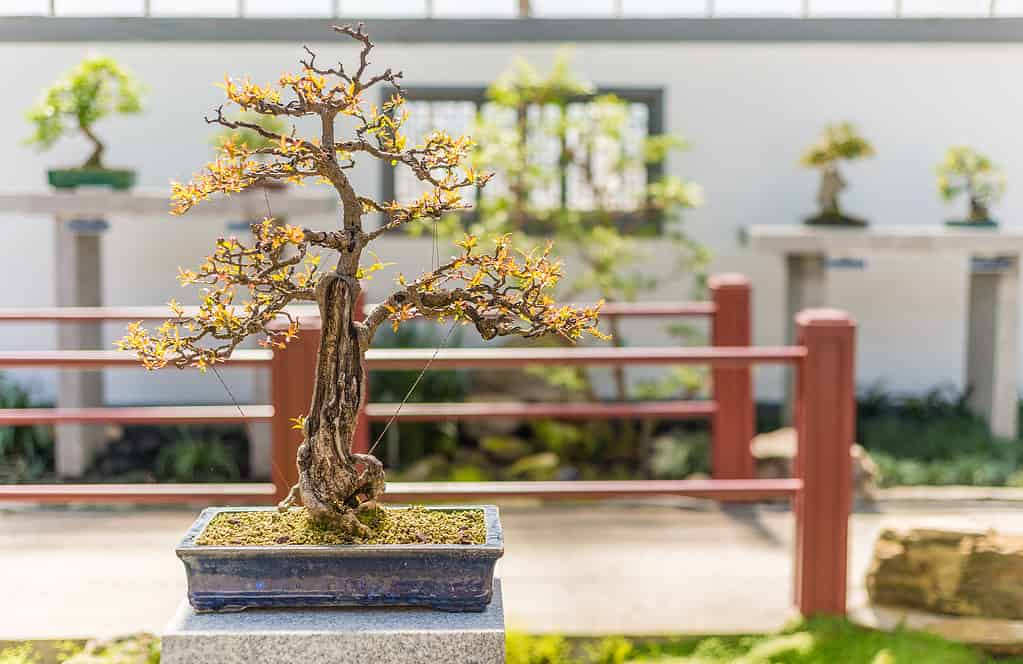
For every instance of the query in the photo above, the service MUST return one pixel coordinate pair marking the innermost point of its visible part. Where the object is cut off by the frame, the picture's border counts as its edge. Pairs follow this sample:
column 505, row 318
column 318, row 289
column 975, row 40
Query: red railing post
column 733, row 425
column 825, row 415
column 292, row 375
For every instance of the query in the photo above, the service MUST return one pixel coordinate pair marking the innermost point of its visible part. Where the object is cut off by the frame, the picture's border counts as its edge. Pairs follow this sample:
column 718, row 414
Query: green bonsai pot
column 967, row 223
column 72, row 178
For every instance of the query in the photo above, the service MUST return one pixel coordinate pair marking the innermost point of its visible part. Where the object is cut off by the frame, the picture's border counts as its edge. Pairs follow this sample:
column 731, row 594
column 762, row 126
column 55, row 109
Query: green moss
column 821, row 640
column 412, row 525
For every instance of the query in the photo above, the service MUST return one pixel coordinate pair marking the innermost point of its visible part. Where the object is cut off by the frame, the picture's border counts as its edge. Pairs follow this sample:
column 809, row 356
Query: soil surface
column 413, row 525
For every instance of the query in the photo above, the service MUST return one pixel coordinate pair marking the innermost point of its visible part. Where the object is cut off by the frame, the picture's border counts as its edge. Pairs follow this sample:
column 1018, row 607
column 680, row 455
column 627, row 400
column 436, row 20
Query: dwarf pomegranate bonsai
column 500, row 291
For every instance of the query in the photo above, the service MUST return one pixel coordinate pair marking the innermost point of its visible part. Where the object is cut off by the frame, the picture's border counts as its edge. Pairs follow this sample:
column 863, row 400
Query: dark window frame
column 652, row 97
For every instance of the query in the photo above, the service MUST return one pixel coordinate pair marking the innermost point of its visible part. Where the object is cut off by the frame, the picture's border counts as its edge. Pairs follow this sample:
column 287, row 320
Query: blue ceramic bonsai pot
column 449, row 577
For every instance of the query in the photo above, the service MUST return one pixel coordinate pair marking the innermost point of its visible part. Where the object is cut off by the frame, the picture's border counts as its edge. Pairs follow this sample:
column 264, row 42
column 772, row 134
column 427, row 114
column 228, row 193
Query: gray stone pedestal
column 336, row 636
column 79, row 284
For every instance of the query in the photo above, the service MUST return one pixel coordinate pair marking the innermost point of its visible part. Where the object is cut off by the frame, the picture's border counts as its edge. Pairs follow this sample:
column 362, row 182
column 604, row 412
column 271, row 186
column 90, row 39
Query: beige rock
column 774, row 452
column 946, row 571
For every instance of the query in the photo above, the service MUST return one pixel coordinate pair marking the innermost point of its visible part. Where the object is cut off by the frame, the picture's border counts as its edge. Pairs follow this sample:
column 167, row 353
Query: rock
column 774, row 451
column 952, row 572
column 429, row 467
column 542, row 466
column 504, row 448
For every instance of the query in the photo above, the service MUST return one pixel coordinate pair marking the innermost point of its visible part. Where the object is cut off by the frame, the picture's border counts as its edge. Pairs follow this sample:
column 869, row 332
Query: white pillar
column 991, row 354
column 79, row 283
column 806, row 287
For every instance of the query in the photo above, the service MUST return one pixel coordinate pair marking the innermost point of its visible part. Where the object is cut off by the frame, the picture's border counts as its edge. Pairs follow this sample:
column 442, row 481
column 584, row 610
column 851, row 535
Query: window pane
column 573, row 7
column 609, row 185
column 489, row 8
column 193, row 7
column 664, row 7
column 852, row 7
column 24, row 7
column 602, row 170
column 290, row 8
column 758, row 7
column 98, row 7
column 454, row 117
column 399, row 8
column 945, row 7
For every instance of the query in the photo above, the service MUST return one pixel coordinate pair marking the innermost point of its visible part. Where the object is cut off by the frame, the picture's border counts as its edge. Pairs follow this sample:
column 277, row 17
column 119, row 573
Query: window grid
column 453, row 109
column 512, row 9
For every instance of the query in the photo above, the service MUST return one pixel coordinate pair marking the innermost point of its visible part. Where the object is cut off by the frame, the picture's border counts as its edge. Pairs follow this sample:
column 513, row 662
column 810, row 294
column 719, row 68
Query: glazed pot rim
column 492, row 548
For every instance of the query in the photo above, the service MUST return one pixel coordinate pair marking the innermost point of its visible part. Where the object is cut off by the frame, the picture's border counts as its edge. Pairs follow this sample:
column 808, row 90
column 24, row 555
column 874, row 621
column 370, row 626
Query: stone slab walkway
column 576, row 569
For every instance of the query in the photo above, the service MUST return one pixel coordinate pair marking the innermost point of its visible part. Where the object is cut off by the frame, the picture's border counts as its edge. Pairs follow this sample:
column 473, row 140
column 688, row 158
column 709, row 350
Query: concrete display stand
column 81, row 217
column 336, row 636
column 992, row 332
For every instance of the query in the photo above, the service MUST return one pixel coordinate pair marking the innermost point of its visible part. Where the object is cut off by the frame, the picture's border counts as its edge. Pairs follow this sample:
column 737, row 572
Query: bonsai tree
column 966, row 171
column 839, row 142
column 94, row 89
column 498, row 290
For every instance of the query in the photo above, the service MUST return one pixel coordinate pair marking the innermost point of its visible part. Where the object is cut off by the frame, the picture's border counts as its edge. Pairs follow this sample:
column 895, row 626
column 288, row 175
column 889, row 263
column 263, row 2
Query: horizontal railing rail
column 404, row 359
column 128, row 314
column 137, row 415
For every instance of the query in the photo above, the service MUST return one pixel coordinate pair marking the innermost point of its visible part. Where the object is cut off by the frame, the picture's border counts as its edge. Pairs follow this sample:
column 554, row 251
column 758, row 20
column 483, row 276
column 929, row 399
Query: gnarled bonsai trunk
column 978, row 210
column 95, row 159
column 831, row 185
column 336, row 484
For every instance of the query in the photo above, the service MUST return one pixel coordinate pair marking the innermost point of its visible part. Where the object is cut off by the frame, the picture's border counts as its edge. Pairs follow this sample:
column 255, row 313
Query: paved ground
column 595, row 568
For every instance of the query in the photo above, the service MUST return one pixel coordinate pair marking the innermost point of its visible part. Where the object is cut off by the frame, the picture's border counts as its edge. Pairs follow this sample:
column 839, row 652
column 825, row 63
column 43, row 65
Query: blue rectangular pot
column 449, row 577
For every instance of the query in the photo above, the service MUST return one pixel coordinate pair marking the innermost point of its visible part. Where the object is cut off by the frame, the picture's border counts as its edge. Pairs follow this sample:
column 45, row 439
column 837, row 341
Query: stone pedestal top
column 799, row 238
column 336, row 636
column 102, row 202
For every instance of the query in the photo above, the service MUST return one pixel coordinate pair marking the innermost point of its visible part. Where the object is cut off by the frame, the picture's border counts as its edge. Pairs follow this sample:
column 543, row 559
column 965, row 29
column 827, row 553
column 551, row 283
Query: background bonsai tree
column 839, row 142
column 966, row 171
column 576, row 166
column 94, row 89
column 499, row 291
column 571, row 166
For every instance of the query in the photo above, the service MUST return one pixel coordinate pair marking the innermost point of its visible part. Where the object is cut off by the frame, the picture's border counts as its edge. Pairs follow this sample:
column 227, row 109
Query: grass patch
column 816, row 641
column 413, row 525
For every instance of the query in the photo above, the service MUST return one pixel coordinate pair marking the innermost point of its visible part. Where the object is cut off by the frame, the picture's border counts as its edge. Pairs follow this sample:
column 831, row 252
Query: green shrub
column 933, row 440
column 524, row 649
column 679, row 454
column 26, row 452
column 194, row 459
column 824, row 640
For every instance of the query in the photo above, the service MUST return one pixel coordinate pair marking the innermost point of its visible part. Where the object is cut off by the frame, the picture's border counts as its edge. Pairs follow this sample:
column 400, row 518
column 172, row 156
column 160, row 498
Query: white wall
column 749, row 110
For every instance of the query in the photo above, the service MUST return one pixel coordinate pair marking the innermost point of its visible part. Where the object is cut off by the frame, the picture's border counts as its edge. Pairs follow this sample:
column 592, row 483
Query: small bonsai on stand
column 96, row 88
column 499, row 291
column 966, row 171
column 839, row 142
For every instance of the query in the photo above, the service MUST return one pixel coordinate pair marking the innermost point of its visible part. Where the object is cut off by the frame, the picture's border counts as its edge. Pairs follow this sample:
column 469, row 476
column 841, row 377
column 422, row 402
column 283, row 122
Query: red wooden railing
column 823, row 360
